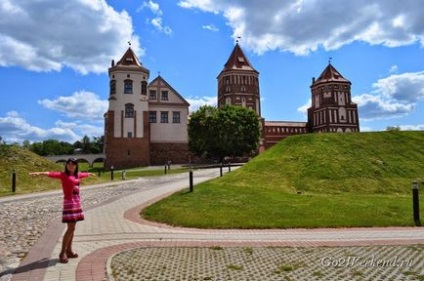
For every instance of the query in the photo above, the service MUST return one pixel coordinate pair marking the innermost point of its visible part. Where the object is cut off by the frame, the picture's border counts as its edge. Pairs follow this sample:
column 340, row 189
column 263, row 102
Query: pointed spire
column 238, row 60
column 330, row 73
column 129, row 58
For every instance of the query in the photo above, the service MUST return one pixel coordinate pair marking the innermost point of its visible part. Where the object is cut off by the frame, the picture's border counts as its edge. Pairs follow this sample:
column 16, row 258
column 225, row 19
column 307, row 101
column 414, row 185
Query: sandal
column 63, row 259
column 72, row 255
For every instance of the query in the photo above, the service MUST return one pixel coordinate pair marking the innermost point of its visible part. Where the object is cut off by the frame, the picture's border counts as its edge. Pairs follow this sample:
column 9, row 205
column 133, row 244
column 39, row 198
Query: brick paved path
column 113, row 238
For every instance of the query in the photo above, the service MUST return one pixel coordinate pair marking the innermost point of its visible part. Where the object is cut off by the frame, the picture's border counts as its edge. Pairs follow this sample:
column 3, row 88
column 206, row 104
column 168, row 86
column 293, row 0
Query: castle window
column 164, row 95
column 228, row 101
column 243, row 89
column 152, row 95
column 227, row 89
column 128, row 87
column 176, row 117
column 152, row 116
column 112, row 87
column 143, row 88
column 129, row 135
column 129, row 110
column 164, row 116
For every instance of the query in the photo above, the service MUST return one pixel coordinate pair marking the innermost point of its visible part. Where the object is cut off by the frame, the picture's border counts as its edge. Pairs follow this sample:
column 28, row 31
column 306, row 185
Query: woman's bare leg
column 67, row 240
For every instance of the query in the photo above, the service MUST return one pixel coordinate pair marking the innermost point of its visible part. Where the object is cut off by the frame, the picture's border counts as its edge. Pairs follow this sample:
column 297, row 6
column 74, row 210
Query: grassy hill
column 24, row 161
column 361, row 163
column 314, row 180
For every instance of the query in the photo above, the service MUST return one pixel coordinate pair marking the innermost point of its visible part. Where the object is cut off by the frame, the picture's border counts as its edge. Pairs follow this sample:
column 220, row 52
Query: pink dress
column 72, row 210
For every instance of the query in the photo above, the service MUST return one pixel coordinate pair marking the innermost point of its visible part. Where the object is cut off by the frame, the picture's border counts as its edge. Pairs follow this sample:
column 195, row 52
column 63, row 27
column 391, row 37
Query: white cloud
column 372, row 107
column 157, row 21
column 393, row 69
column 393, row 96
column 304, row 108
column 197, row 102
column 405, row 87
column 14, row 128
column 211, row 27
column 82, row 105
column 302, row 27
column 412, row 127
column 49, row 35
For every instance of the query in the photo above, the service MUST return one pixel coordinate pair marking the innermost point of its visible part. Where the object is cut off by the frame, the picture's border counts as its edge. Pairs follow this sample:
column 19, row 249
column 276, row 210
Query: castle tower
column 238, row 82
column 127, row 130
column 332, row 108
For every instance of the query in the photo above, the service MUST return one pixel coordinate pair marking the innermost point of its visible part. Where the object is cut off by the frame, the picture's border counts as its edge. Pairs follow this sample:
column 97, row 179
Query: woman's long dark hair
column 73, row 160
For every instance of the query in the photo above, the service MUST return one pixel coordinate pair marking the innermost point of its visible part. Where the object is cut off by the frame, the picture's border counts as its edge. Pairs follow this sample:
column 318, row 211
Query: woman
column 72, row 211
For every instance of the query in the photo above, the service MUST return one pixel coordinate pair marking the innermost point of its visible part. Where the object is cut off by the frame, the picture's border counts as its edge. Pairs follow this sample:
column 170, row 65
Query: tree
column 393, row 129
column 229, row 131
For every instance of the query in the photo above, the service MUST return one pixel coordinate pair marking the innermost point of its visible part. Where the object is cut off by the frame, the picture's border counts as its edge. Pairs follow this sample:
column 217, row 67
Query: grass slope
column 24, row 161
column 314, row 180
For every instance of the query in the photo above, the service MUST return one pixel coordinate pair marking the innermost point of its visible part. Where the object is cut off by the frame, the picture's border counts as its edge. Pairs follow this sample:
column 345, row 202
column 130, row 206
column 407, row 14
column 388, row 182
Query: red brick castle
column 146, row 123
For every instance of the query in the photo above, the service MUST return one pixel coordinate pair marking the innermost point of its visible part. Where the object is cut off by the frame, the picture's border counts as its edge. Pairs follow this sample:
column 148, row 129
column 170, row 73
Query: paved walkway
column 113, row 243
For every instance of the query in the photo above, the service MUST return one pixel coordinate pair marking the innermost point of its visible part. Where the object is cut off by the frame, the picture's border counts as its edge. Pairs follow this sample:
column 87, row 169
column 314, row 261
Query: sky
column 55, row 55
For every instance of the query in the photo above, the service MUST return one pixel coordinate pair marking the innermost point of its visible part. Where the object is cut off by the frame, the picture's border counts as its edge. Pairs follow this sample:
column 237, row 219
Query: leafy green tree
column 86, row 144
column 393, row 128
column 26, row 144
column 97, row 144
column 229, row 131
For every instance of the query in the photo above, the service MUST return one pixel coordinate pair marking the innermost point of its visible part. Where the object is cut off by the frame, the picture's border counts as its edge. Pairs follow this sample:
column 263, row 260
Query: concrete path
column 113, row 236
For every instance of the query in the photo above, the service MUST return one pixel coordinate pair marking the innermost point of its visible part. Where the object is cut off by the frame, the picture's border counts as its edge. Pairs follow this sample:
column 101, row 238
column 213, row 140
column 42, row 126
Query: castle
column 146, row 122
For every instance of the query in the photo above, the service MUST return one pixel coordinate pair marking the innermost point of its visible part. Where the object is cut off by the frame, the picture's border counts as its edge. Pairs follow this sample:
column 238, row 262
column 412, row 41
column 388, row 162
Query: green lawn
column 313, row 180
column 316, row 180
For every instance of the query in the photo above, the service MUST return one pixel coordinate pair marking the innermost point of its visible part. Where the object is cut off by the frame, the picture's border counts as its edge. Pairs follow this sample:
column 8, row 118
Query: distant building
column 332, row 108
column 146, row 123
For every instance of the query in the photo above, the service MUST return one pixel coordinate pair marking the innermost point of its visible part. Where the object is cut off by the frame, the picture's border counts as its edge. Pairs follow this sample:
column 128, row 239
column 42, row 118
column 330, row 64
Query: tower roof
column 330, row 74
column 129, row 58
column 238, row 61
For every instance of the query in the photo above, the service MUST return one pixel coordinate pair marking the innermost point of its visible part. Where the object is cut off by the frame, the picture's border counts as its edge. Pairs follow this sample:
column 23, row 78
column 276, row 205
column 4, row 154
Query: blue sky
column 54, row 57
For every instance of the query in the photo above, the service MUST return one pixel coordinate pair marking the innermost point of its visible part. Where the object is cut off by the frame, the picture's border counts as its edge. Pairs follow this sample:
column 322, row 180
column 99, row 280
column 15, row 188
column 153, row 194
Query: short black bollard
column 220, row 169
column 13, row 181
column 416, row 203
column 191, row 179
column 165, row 168
column 111, row 173
column 99, row 172
column 229, row 166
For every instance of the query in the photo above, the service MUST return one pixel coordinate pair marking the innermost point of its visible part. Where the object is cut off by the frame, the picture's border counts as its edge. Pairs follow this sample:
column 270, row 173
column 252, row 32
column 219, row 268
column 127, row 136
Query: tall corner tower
column 332, row 108
column 238, row 82
column 127, row 130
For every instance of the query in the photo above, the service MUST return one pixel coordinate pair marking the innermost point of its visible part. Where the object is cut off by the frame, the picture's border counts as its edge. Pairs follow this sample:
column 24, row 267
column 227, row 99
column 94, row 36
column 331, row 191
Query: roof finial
column 158, row 73
column 129, row 43
column 238, row 38
column 329, row 60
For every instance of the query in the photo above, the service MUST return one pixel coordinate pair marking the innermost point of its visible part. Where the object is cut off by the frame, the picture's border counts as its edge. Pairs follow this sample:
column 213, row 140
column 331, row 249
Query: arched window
column 112, row 87
column 128, row 86
column 144, row 88
column 129, row 110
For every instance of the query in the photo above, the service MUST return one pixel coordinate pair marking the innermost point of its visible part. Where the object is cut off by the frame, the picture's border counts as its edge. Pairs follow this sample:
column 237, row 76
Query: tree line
column 213, row 133
column 52, row 147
